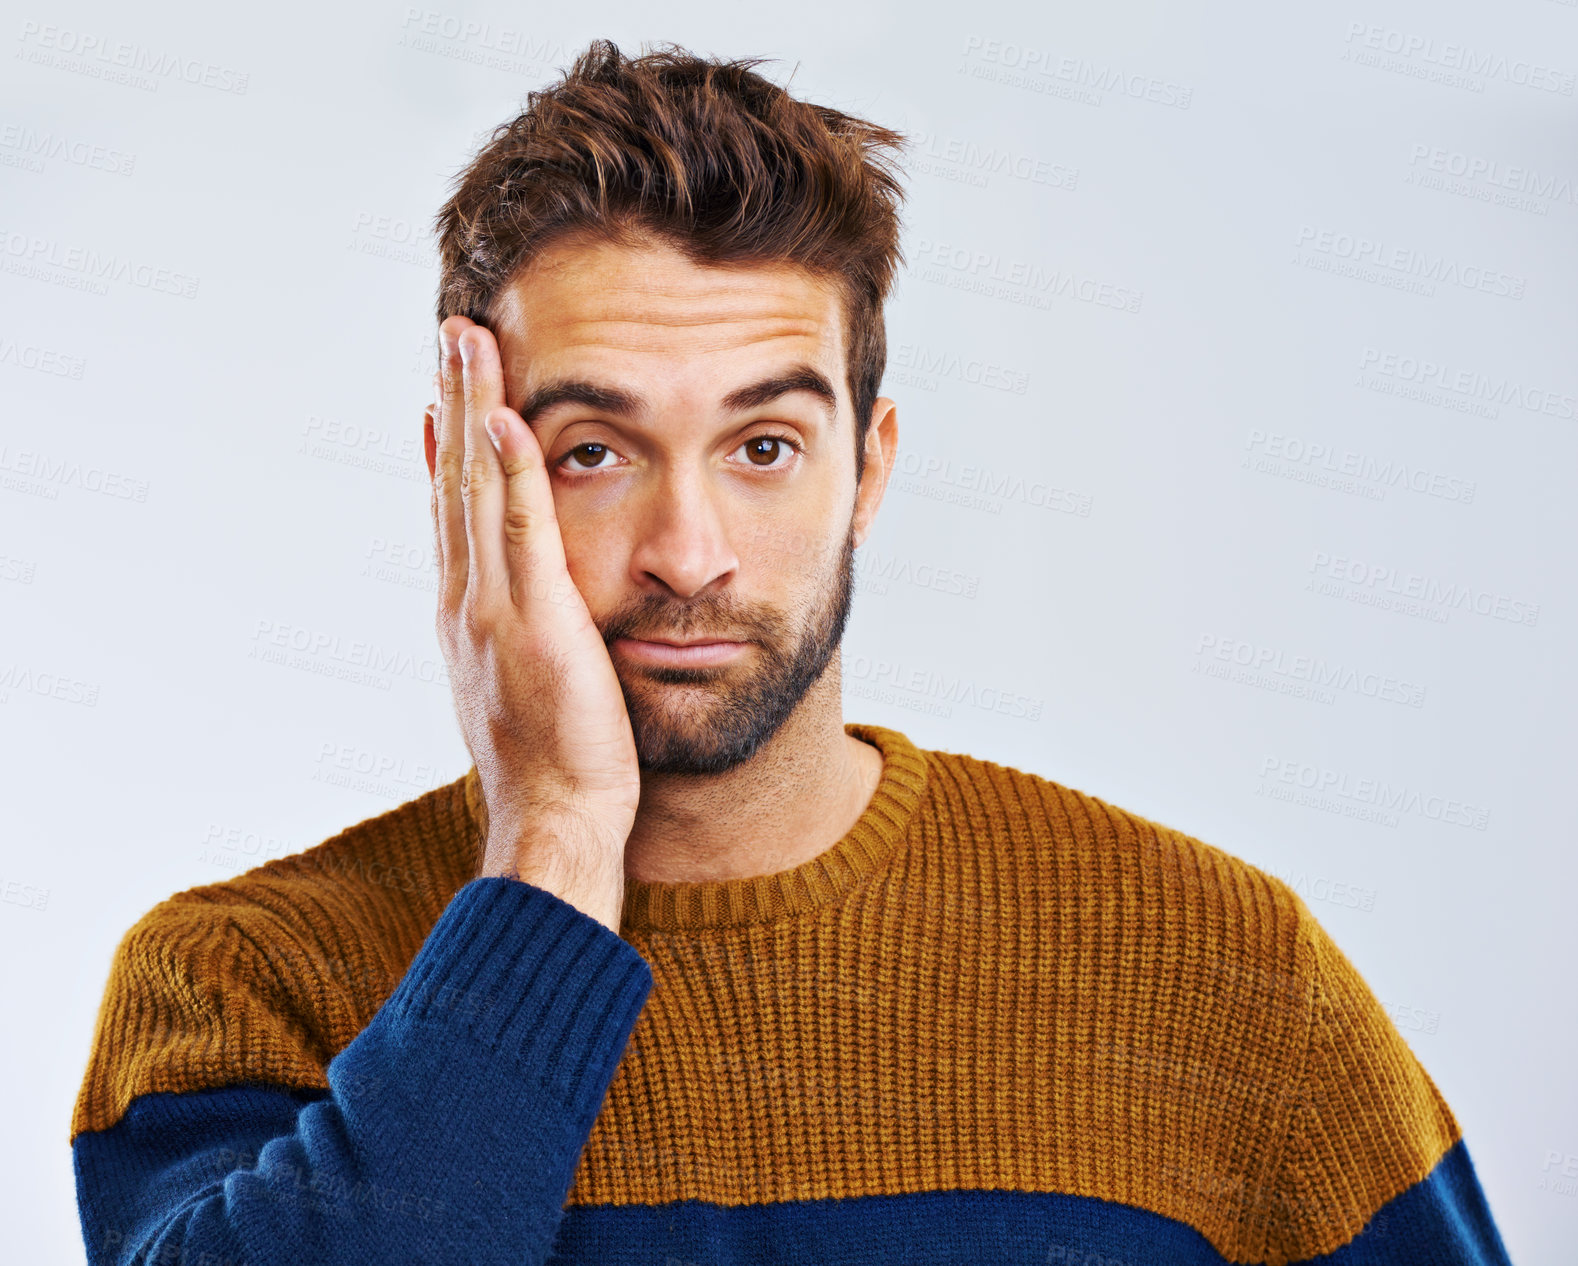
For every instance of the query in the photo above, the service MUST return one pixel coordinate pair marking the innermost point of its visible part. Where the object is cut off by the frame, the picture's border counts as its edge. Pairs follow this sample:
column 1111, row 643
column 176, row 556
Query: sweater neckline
column 822, row 880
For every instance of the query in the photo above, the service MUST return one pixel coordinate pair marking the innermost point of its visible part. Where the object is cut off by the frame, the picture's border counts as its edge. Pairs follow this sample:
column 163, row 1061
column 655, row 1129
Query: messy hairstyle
column 703, row 154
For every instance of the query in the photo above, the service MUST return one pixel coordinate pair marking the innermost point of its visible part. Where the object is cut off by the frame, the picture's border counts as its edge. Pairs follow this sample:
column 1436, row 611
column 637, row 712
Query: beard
column 696, row 720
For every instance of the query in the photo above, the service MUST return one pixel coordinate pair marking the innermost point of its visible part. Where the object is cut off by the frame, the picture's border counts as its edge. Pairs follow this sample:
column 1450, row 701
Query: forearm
column 451, row 1131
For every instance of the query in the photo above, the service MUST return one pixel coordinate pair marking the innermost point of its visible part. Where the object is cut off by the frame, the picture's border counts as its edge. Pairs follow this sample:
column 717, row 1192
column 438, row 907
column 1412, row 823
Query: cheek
column 596, row 549
column 798, row 526
column 792, row 558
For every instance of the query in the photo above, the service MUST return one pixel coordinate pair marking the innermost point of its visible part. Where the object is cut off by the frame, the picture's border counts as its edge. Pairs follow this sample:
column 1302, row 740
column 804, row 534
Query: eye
column 590, row 456
column 767, row 451
column 763, row 451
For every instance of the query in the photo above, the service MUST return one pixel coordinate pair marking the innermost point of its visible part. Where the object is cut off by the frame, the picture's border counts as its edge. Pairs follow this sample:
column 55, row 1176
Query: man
column 685, row 968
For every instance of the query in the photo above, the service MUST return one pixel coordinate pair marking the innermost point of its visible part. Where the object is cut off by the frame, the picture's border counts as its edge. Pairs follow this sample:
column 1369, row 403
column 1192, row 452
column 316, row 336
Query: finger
column 533, row 547
column 430, row 445
column 483, row 486
column 449, row 466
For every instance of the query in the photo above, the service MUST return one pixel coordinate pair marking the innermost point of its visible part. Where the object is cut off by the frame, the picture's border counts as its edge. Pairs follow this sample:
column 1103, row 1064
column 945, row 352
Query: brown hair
column 703, row 154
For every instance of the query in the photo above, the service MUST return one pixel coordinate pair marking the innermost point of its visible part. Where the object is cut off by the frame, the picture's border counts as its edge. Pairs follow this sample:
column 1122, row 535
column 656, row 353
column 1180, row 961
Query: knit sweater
column 1000, row 1020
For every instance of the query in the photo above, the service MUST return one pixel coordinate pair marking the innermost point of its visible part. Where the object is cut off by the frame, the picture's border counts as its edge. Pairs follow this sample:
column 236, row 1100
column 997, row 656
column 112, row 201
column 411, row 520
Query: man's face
column 699, row 438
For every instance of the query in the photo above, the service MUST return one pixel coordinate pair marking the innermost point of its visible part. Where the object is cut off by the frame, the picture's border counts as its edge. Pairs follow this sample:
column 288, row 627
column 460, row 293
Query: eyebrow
column 625, row 404
column 800, row 377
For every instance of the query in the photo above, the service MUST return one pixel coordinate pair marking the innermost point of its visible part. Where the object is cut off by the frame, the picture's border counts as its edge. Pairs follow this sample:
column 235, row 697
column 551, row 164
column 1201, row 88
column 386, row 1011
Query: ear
column 882, row 442
column 430, row 443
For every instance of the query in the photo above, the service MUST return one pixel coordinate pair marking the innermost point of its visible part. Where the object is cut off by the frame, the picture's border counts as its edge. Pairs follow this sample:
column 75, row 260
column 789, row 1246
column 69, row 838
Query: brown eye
column 763, row 450
column 589, row 455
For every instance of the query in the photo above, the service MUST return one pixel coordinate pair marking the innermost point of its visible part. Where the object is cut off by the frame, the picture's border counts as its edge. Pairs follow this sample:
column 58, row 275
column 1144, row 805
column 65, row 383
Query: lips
column 695, row 652
column 700, row 641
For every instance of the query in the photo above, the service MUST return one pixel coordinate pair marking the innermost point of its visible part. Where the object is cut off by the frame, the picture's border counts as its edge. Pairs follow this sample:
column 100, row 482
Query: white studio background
column 1237, row 392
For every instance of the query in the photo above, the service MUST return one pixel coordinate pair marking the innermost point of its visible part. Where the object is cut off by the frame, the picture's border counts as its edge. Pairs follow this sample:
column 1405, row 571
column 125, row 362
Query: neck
column 797, row 797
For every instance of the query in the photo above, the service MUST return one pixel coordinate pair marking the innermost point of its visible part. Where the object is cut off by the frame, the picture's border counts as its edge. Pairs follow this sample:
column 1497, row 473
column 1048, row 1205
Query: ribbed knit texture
column 993, row 982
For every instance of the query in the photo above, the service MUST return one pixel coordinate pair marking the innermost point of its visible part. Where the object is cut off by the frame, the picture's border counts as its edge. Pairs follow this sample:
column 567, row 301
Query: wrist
column 586, row 873
column 604, row 903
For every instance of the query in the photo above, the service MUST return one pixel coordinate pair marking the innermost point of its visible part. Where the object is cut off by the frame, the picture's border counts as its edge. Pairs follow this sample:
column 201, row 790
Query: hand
column 536, row 694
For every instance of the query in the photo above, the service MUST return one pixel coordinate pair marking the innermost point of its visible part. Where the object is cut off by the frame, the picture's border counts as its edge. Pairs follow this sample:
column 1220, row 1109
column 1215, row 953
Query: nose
column 682, row 545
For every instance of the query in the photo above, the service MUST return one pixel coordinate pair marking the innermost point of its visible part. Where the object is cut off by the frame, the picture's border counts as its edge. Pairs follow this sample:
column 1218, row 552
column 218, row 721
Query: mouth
column 679, row 651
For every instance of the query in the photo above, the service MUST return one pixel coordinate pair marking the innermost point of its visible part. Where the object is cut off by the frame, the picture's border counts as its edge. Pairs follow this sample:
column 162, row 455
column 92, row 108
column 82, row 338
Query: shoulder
column 1203, row 980
column 375, row 886
column 1087, row 842
column 1168, row 943
column 394, row 866
column 265, row 976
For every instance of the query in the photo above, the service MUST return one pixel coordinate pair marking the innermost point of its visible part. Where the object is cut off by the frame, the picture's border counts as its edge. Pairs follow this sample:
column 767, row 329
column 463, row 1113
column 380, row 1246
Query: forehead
column 599, row 305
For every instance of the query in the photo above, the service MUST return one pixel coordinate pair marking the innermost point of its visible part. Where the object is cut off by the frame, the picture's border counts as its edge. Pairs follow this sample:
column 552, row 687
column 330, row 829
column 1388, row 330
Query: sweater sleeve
column 1374, row 1168
column 450, row 1131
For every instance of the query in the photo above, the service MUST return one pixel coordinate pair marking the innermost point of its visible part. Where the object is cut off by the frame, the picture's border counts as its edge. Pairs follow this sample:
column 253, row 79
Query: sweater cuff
column 531, row 978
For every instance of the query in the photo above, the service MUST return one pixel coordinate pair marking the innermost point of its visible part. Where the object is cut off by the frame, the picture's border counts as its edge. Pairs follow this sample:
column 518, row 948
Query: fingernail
column 465, row 352
column 495, row 429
